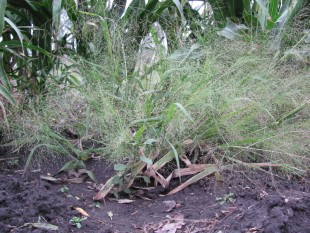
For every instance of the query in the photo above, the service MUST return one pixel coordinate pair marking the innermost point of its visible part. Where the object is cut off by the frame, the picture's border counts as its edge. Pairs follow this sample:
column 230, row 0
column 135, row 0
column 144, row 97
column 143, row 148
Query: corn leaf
column 3, row 77
column 6, row 94
column 18, row 44
column 3, row 4
column 56, row 12
column 18, row 32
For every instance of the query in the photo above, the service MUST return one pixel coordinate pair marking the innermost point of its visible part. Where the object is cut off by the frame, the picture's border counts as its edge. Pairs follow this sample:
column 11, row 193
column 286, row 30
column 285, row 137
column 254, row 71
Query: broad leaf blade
column 232, row 30
column 273, row 9
column 6, row 94
column 148, row 161
column 18, row 32
column 56, row 12
column 3, row 77
column 17, row 44
column 180, row 8
column 3, row 4
column 262, row 13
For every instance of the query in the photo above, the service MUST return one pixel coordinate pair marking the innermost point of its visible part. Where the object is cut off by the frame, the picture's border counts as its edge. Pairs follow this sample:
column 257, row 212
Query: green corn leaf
column 3, row 4
column 4, row 115
column 56, row 12
column 180, row 8
column 18, row 44
column 6, row 94
column 273, row 9
column 232, row 30
column 34, row 5
column 262, row 13
column 247, row 6
column 18, row 32
column 3, row 77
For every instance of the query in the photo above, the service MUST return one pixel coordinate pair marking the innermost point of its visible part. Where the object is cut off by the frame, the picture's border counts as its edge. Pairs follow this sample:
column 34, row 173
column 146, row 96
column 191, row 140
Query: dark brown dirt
column 261, row 203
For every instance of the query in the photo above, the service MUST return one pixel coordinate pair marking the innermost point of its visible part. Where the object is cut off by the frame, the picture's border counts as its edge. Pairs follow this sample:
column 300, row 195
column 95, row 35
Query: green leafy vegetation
column 219, row 92
column 77, row 221
column 226, row 198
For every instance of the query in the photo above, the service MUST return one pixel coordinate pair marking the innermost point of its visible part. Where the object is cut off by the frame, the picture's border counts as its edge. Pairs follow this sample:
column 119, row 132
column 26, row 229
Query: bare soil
column 258, row 202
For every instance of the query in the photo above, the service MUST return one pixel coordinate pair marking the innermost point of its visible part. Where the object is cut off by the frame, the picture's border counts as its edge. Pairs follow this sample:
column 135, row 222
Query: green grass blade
column 186, row 113
column 176, row 155
column 293, row 112
column 30, row 156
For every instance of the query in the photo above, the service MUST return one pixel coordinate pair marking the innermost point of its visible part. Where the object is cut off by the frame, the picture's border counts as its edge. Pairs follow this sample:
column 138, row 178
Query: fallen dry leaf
column 175, row 223
column 170, row 205
column 188, row 142
column 42, row 225
column 207, row 171
column 125, row 201
column 110, row 214
column 81, row 211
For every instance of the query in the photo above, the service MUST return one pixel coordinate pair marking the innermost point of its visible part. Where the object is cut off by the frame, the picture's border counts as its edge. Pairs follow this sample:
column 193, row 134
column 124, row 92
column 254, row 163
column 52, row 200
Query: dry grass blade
column 75, row 180
column 107, row 187
column 191, row 170
column 150, row 172
column 208, row 171
column 135, row 171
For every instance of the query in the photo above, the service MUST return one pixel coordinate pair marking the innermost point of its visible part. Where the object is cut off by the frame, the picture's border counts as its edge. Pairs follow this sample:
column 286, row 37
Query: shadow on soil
column 244, row 201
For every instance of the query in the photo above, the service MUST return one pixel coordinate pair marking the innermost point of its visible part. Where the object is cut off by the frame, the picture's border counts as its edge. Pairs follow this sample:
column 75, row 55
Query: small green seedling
column 12, row 162
column 64, row 189
column 226, row 198
column 97, row 204
column 77, row 221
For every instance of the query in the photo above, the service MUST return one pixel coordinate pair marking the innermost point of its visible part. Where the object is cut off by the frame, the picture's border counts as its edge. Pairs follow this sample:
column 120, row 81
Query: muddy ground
column 243, row 201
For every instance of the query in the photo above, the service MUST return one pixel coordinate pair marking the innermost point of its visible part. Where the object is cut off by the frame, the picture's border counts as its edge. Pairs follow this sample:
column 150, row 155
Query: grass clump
column 232, row 96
